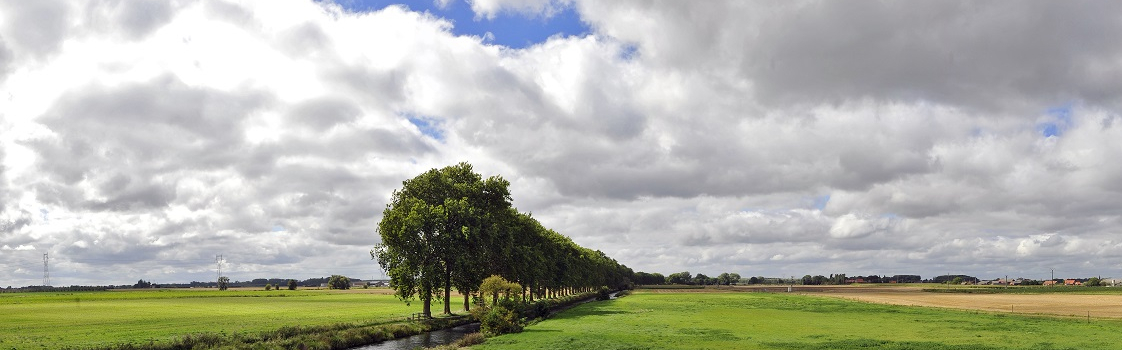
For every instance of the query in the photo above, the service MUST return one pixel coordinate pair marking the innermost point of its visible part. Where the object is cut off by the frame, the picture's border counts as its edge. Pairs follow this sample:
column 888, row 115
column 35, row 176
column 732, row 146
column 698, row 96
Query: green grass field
column 81, row 319
column 647, row 320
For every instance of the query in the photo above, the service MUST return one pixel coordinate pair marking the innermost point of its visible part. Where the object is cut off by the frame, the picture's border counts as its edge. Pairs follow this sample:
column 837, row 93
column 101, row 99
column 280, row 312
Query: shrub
column 269, row 286
column 499, row 320
column 603, row 294
column 291, row 284
column 471, row 339
column 538, row 309
column 495, row 285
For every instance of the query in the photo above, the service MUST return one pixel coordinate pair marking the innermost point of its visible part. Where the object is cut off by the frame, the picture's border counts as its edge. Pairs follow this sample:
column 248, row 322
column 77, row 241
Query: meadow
column 88, row 319
column 742, row 320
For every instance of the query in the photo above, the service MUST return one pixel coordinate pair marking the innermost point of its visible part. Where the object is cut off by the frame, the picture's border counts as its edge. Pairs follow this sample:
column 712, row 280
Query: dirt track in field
column 1059, row 304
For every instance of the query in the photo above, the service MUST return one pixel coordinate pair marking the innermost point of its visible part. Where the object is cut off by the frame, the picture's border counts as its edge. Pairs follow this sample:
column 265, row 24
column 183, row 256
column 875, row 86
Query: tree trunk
column 467, row 298
column 427, row 310
column 448, row 292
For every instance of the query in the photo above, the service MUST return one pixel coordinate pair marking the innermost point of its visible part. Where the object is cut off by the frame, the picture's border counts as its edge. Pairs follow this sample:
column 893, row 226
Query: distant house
column 1071, row 282
column 1049, row 283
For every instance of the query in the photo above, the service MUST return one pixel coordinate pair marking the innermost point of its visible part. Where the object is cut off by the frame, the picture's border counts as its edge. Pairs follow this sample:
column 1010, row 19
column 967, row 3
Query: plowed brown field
column 1060, row 304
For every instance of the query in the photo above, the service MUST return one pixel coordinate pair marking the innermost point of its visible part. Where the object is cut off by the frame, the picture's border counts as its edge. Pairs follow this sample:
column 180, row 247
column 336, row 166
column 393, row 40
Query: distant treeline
column 53, row 289
column 685, row 278
column 259, row 282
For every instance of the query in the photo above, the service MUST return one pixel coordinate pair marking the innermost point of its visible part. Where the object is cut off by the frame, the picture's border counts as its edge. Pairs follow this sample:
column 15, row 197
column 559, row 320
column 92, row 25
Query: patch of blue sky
column 278, row 228
column 628, row 52
column 510, row 29
column 821, row 201
column 1060, row 121
column 428, row 126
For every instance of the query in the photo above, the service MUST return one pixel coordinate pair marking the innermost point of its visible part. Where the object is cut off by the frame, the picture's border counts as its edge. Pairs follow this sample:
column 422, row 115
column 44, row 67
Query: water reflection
column 425, row 340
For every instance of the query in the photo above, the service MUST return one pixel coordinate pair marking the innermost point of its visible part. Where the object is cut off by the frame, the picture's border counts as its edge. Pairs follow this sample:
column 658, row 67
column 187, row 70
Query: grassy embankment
column 647, row 320
column 99, row 319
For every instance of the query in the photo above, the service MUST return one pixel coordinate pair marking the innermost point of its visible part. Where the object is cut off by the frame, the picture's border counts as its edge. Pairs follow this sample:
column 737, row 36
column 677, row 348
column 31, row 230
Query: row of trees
column 685, row 277
column 733, row 278
column 291, row 285
column 450, row 229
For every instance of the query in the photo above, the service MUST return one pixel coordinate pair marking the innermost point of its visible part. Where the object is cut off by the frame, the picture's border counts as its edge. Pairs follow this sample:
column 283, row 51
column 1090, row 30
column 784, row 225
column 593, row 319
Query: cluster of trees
column 450, row 229
column 701, row 279
column 832, row 279
column 338, row 282
column 143, row 284
column 644, row 278
column 954, row 279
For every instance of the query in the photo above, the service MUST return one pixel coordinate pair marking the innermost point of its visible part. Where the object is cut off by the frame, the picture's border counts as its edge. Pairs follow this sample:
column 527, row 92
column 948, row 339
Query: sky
column 141, row 139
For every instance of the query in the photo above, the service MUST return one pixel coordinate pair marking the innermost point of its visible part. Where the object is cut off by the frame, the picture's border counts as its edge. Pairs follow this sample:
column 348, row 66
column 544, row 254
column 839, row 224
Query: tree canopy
column 450, row 228
column 338, row 282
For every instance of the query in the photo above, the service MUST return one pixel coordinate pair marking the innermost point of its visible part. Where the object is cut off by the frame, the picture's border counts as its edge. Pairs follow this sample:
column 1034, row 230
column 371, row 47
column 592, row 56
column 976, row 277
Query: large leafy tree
column 432, row 232
column 407, row 252
column 450, row 228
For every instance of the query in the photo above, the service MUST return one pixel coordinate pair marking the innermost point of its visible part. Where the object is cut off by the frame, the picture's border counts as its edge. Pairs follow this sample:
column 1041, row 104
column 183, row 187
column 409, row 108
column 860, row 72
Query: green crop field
column 81, row 319
column 648, row 320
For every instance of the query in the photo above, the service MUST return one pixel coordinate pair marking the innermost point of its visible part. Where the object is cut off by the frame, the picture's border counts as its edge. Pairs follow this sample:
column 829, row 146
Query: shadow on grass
column 579, row 313
column 536, row 330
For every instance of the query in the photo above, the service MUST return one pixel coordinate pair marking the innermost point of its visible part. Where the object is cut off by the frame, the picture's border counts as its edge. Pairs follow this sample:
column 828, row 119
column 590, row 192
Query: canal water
column 425, row 340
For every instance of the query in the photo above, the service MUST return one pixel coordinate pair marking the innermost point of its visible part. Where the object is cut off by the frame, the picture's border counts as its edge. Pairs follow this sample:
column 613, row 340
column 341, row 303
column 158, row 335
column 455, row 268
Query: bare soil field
column 1071, row 305
column 1057, row 304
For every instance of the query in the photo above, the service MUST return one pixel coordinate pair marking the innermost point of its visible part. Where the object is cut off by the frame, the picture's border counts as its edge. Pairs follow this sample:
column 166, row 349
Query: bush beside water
column 330, row 337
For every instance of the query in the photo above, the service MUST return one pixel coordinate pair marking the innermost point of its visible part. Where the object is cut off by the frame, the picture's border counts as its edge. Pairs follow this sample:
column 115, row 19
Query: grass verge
column 329, row 337
column 105, row 319
column 649, row 320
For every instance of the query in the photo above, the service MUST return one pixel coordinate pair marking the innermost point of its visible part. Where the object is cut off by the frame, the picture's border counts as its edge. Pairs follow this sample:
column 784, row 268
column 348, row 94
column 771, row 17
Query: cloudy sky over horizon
column 140, row 138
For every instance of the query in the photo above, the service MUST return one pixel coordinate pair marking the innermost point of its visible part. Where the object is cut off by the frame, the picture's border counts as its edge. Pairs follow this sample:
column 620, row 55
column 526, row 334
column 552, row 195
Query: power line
column 46, row 271
column 218, row 262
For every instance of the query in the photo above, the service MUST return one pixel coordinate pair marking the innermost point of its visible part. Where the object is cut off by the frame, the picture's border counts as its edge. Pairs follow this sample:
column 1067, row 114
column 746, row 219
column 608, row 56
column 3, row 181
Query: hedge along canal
column 451, row 335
